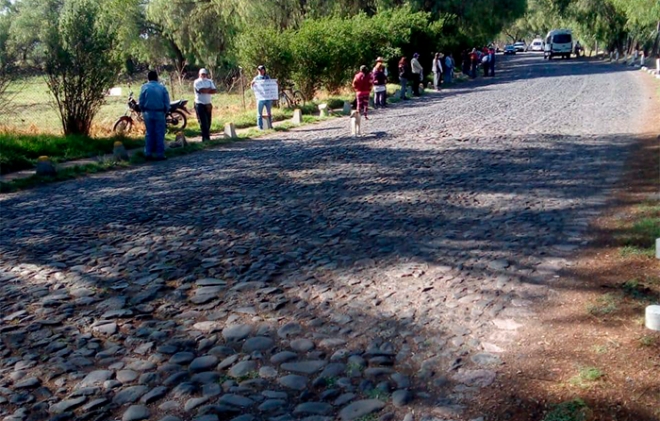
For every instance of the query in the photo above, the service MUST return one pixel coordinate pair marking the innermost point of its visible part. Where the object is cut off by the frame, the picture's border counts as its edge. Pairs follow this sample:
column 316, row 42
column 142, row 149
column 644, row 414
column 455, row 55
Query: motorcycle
column 175, row 119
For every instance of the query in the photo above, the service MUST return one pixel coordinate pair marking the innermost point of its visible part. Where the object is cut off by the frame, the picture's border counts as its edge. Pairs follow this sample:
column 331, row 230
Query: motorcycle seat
column 177, row 103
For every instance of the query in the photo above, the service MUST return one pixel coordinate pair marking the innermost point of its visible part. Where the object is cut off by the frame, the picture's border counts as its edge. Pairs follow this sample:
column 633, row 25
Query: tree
column 79, row 64
column 6, row 56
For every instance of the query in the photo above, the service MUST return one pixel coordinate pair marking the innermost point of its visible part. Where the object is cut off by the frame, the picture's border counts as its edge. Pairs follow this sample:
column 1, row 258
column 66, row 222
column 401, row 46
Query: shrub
column 80, row 65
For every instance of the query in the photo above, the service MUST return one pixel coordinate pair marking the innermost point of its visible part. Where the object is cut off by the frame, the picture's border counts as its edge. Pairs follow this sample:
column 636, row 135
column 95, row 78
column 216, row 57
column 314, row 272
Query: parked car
column 520, row 46
column 509, row 49
column 536, row 45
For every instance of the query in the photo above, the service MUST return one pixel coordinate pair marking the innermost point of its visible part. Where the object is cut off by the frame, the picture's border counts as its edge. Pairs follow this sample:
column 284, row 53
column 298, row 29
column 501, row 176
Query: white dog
column 355, row 124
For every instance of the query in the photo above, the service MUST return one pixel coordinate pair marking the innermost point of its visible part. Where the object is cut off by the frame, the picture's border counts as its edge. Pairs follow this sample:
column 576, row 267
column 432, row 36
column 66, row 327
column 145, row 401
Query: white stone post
column 617, row 56
column 347, row 108
column 641, row 60
column 230, row 130
column 657, row 248
column 297, row 116
column 323, row 110
column 657, row 66
column 653, row 317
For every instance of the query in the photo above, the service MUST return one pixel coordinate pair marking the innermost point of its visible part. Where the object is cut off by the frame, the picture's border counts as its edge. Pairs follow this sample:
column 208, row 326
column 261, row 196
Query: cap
column 261, row 67
column 203, row 72
column 415, row 55
column 363, row 68
column 379, row 60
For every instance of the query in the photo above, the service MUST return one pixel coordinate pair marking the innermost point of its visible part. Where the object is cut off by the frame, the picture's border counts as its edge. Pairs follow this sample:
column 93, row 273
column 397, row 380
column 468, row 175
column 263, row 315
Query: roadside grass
column 574, row 410
column 586, row 377
column 19, row 152
column 640, row 231
column 603, row 305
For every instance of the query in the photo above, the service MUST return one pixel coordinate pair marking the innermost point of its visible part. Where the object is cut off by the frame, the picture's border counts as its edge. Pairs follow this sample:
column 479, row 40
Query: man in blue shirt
column 154, row 104
column 262, row 103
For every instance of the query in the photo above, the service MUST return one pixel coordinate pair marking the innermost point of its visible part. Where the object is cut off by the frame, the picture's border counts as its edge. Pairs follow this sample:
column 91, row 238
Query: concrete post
column 230, row 130
column 653, row 317
column 297, row 116
column 641, row 59
column 657, row 66
column 267, row 123
column 119, row 152
column 657, row 248
column 45, row 167
column 617, row 56
column 323, row 110
column 347, row 108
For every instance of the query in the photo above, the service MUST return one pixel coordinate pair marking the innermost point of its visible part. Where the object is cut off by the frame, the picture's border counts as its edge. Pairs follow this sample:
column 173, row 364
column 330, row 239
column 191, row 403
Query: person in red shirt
column 362, row 83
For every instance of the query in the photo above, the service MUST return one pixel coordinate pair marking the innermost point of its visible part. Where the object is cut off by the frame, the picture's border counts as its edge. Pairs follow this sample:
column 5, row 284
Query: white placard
column 266, row 89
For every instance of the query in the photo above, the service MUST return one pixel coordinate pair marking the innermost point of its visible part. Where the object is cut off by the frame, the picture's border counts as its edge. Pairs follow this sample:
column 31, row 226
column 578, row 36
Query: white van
column 558, row 42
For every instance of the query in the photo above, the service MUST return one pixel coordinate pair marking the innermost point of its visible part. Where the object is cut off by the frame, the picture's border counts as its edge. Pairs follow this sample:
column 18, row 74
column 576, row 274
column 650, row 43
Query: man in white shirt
column 418, row 74
column 204, row 88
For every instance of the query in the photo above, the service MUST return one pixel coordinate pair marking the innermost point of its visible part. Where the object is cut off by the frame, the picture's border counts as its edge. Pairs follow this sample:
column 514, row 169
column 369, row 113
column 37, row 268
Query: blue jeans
column 260, row 110
column 155, row 137
column 404, row 87
column 449, row 75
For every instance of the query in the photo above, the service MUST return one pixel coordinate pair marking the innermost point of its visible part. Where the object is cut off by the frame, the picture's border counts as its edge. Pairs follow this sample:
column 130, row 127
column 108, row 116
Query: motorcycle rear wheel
column 176, row 121
column 123, row 125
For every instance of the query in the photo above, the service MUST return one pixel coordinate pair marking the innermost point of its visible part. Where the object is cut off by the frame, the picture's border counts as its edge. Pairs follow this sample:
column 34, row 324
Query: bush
column 80, row 65
column 327, row 52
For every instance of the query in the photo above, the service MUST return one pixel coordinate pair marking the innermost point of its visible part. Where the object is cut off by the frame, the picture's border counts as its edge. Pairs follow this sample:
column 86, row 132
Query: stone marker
column 657, row 248
column 297, row 116
column 323, row 110
column 347, row 108
column 119, row 152
column 267, row 124
column 653, row 317
column 45, row 167
column 230, row 130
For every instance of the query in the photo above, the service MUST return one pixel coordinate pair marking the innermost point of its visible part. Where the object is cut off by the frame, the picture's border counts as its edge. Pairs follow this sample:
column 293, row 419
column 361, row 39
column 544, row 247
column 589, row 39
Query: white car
column 519, row 46
column 536, row 45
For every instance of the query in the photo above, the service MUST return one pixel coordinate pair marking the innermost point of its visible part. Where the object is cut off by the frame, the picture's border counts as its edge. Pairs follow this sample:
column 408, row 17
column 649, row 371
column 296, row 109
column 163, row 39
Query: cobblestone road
column 311, row 275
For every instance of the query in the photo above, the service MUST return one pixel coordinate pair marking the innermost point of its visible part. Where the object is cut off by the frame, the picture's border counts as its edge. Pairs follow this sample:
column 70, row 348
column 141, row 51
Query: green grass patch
column 575, row 410
column 635, row 251
column 586, row 377
column 20, row 151
column 647, row 341
column 603, row 305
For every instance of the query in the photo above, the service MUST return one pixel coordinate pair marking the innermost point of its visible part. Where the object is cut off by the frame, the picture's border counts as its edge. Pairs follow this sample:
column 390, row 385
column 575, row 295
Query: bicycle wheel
column 283, row 102
column 298, row 99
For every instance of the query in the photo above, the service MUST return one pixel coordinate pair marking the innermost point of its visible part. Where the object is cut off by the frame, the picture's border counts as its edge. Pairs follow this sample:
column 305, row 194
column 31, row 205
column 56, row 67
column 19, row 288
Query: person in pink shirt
column 362, row 83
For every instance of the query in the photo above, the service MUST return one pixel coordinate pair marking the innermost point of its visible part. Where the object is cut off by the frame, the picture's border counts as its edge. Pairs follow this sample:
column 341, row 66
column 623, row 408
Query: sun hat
column 379, row 60
column 261, row 67
column 203, row 71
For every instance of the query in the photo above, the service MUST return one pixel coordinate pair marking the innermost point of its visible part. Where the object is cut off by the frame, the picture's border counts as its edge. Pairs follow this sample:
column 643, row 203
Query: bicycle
column 289, row 98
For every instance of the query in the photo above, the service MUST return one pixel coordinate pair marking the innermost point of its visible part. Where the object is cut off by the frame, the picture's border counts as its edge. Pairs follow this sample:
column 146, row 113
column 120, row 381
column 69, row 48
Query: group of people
column 475, row 58
column 409, row 74
column 154, row 103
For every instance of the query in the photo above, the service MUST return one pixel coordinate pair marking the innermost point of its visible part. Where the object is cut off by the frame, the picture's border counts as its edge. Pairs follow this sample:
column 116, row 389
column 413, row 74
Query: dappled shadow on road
column 433, row 249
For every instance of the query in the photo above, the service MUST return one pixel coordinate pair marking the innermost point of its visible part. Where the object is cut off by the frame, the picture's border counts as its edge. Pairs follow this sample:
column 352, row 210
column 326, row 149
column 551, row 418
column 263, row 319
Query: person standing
column 380, row 86
column 449, row 66
column 204, row 88
column 474, row 61
column 436, row 68
column 362, row 83
column 155, row 104
column 403, row 76
column 417, row 73
column 264, row 103
column 491, row 61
